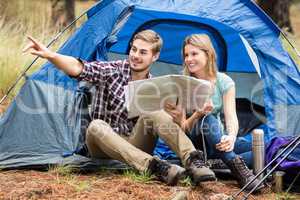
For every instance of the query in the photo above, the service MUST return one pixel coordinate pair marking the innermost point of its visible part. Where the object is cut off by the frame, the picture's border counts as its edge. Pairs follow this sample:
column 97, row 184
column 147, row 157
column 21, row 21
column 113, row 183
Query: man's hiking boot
column 166, row 172
column 198, row 169
column 242, row 173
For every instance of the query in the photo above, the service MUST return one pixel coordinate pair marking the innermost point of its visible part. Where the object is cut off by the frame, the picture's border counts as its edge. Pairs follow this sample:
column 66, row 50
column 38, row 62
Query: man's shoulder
column 121, row 64
column 117, row 63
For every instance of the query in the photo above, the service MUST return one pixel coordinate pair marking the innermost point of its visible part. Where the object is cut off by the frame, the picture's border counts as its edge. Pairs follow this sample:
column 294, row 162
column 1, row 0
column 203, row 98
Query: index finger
column 28, row 46
column 33, row 40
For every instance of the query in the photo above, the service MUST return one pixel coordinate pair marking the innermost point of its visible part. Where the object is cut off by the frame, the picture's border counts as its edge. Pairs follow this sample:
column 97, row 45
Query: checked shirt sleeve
column 98, row 71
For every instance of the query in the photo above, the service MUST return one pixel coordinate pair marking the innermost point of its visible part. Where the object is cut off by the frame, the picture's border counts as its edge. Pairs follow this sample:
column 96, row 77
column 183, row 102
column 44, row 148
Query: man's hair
column 151, row 37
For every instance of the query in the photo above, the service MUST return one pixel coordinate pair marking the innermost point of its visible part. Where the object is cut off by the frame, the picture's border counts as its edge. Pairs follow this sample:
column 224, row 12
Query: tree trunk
column 279, row 11
column 62, row 12
column 3, row 6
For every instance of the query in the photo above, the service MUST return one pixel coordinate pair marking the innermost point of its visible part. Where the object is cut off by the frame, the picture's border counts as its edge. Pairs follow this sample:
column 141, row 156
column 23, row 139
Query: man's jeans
column 212, row 131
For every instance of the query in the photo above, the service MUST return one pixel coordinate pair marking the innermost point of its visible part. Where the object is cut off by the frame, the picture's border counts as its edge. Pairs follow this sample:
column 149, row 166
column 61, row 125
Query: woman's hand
column 226, row 144
column 206, row 109
column 37, row 48
column 175, row 111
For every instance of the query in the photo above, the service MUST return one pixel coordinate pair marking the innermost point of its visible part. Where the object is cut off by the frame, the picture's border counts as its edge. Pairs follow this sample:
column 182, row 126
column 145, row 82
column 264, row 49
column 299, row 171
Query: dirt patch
column 105, row 185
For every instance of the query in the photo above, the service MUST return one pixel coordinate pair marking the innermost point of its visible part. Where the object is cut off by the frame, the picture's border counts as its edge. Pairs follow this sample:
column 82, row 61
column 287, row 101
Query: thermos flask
column 258, row 149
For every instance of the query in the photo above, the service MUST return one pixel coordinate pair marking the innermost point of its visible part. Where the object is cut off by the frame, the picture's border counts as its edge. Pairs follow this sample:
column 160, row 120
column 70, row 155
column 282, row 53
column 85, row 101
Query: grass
column 13, row 38
column 187, row 182
column 144, row 177
column 18, row 21
column 62, row 170
column 292, row 52
column 285, row 196
column 68, row 175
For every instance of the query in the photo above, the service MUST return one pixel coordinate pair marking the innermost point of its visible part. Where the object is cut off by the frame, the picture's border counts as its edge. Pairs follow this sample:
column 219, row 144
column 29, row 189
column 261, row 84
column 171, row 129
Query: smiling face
column 199, row 57
column 195, row 59
column 141, row 56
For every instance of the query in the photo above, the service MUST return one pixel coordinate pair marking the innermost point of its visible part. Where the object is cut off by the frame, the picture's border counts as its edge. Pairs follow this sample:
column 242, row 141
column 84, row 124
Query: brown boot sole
column 204, row 179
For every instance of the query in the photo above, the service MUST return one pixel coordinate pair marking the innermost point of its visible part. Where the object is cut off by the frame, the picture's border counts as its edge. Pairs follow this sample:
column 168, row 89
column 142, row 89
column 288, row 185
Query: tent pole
column 48, row 45
column 294, row 142
column 288, row 40
column 281, row 160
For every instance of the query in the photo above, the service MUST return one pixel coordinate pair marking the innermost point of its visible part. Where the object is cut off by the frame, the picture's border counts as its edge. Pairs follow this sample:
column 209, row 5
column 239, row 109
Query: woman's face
column 195, row 59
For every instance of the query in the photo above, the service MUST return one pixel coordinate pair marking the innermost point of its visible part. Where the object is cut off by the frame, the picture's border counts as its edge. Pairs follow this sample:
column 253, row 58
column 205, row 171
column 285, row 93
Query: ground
column 106, row 185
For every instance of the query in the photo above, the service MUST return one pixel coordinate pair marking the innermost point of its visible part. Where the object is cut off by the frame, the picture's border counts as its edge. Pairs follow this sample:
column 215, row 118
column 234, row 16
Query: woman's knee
column 209, row 124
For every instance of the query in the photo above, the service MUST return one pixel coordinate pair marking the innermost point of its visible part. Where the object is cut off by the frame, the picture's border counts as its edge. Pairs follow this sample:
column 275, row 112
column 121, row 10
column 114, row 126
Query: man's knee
column 97, row 128
column 160, row 117
column 163, row 122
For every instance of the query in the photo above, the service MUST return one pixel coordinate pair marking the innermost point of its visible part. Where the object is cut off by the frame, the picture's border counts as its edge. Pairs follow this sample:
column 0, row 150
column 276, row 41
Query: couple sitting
column 112, row 134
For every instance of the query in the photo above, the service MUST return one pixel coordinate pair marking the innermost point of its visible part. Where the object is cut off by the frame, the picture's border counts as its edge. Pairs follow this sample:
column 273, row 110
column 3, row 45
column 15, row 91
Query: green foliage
column 67, row 175
column 19, row 19
column 187, row 182
column 81, row 185
column 285, row 196
column 295, row 1
column 144, row 177
column 292, row 52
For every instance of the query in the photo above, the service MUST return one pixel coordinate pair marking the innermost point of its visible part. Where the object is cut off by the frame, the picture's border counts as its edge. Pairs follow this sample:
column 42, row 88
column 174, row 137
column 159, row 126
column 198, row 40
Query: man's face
column 141, row 55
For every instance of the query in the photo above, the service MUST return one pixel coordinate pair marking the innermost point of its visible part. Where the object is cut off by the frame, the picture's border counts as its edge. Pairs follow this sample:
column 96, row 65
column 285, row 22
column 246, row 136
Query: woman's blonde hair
column 203, row 42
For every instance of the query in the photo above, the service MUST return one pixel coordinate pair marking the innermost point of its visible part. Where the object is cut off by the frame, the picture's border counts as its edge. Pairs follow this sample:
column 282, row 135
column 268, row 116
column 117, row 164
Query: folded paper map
column 144, row 96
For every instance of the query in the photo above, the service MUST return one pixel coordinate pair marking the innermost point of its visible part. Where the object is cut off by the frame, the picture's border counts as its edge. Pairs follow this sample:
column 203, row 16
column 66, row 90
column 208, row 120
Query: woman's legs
column 243, row 148
column 212, row 131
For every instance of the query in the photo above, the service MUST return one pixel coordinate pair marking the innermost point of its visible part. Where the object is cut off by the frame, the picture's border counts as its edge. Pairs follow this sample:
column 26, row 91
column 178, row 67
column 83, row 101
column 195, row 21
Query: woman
column 222, row 142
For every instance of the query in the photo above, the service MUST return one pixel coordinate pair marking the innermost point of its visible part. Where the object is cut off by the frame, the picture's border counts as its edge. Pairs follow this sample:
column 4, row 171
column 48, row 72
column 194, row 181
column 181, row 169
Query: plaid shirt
column 109, row 79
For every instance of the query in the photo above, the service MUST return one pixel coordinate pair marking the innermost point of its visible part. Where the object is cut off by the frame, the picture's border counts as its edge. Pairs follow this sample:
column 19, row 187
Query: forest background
column 43, row 19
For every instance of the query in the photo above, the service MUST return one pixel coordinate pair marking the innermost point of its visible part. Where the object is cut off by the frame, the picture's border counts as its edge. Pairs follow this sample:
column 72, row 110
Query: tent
column 45, row 122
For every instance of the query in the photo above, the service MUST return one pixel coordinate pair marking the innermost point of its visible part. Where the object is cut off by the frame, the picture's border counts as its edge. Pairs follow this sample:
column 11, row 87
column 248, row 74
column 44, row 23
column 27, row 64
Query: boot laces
column 197, row 161
column 243, row 168
column 162, row 168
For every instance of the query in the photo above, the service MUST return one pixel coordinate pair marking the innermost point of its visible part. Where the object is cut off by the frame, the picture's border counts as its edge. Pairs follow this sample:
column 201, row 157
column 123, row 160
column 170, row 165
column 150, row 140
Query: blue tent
column 44, row 124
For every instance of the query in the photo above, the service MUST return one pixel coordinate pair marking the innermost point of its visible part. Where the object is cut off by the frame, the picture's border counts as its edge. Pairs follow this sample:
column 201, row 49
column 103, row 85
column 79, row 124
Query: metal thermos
column 258, row 149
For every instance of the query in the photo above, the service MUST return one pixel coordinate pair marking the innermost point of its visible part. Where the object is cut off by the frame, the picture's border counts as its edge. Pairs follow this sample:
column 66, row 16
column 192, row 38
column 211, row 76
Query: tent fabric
column 32, row 132
column 45, row 134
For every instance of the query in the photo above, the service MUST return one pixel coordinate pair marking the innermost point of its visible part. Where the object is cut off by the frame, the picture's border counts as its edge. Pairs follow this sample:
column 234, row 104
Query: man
column 112, row 134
